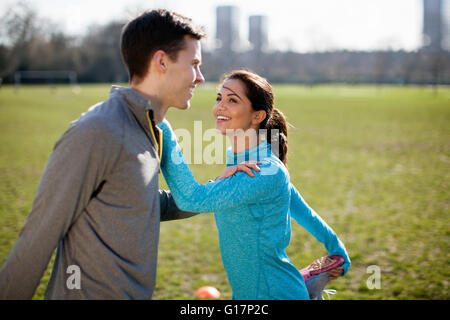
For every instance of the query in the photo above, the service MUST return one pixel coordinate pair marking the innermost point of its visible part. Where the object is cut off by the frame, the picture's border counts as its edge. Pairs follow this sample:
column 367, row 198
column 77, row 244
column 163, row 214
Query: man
column 98, row 200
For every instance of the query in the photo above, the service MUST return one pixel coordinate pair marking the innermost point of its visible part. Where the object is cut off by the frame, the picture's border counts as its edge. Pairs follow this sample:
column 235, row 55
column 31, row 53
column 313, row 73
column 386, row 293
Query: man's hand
column 245, row 166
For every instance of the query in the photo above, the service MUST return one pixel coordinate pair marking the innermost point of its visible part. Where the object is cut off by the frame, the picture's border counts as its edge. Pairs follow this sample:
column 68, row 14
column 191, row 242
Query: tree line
column 28, row 42
column 31, row 43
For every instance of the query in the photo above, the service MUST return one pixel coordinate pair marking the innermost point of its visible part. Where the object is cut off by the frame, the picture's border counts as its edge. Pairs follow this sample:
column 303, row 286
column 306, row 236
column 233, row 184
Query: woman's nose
column 219, row 106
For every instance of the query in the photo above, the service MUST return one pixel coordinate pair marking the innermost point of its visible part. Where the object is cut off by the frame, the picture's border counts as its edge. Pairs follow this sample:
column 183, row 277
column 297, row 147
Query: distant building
column 258, row 33
column 446, row 25
column 227, row 28
column 436, row 15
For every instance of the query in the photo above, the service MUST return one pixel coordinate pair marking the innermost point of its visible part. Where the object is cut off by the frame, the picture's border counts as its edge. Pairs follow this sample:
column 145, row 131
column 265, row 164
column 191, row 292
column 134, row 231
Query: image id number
column 246, row 309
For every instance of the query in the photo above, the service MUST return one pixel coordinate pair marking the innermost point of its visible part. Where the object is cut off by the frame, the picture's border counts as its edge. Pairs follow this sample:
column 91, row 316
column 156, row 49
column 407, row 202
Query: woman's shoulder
column 273, row 166
column 273, row 174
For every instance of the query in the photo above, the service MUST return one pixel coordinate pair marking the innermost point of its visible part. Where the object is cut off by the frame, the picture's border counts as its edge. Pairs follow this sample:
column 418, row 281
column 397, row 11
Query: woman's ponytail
column 277, row 134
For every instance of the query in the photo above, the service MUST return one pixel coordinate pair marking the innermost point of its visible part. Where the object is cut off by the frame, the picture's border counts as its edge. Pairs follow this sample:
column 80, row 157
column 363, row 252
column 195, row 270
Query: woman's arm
column 314, row 224
column 217, row 195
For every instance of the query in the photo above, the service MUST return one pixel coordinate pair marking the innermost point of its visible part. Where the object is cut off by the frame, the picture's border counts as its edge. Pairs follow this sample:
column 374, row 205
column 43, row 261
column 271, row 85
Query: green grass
column 373, row 162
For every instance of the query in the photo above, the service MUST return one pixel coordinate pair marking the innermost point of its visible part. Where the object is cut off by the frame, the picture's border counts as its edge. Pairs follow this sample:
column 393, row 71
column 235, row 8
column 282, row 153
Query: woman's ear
column 259, row 116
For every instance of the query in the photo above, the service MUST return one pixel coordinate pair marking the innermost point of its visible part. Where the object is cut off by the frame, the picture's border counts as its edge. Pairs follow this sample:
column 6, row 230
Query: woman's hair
column 260, row 94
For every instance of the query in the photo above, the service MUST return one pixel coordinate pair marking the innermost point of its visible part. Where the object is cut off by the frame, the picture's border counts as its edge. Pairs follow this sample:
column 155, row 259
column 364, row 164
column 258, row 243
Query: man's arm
column 169, row 210
column 75, row 169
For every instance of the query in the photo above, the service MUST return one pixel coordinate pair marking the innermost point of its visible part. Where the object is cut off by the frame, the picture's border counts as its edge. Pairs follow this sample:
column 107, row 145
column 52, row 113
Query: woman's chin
column 226, row 130
column 220, row 130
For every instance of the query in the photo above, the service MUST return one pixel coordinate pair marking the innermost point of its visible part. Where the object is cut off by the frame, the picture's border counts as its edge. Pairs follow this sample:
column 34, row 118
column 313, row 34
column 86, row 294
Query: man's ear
column 259, row 116
column 159, row 61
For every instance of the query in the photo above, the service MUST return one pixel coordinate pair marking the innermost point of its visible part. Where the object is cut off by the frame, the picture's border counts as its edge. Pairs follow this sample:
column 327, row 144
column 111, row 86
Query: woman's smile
column 221, row 118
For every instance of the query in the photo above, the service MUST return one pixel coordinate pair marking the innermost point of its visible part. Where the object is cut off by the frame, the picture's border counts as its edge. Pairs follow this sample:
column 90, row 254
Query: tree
column 100, row 54
column 19, row 27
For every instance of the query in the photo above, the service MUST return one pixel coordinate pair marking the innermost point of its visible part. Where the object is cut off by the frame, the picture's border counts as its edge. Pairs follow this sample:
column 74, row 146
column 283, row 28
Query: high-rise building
column 257, row 32
column 436, row 24
column 446, row 25
column 227, row 28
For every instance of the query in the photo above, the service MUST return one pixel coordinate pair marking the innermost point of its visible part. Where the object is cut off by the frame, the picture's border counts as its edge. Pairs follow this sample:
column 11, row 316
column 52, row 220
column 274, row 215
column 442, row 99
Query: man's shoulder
column 102, row 124
column 104, row 117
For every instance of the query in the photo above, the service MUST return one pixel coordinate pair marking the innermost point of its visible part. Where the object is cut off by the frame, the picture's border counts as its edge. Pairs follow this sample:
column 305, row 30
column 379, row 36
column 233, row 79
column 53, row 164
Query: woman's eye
column 233, row 100
column 218, row 99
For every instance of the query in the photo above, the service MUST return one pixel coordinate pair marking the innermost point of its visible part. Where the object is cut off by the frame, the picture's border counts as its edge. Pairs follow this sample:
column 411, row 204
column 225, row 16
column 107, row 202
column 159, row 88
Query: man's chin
column 184, row 106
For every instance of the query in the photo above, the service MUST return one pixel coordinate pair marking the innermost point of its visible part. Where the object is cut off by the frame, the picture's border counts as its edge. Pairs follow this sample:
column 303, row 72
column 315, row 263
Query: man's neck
column 159, row 110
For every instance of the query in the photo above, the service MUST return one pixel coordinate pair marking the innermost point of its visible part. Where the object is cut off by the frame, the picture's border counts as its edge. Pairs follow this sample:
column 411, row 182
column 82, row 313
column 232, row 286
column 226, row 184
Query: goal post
column 46, row 77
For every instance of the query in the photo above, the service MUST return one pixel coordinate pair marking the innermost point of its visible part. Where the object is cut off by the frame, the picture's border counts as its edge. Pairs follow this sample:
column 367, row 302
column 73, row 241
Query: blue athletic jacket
column 253, row 218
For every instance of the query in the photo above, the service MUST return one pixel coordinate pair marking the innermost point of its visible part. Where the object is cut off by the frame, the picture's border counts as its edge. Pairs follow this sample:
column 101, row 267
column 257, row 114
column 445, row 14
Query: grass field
column 372, row 161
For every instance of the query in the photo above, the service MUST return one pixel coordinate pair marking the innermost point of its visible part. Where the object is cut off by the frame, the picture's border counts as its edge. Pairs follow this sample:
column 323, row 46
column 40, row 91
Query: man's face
column 183, row 75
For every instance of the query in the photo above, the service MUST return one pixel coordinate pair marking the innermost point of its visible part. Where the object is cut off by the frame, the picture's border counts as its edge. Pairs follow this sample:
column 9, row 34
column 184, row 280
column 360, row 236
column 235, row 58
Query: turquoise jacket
column 253, row 218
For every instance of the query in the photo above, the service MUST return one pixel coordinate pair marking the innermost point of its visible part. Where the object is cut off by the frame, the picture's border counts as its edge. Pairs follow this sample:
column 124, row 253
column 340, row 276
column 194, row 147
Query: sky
column 299, row 25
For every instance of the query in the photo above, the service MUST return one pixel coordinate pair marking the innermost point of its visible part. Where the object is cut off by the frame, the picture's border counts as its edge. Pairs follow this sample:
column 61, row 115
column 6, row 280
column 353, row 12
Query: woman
column 252, row 213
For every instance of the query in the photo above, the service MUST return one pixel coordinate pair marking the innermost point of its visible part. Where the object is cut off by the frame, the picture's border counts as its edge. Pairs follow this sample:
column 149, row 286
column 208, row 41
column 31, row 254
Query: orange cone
column 207, row 292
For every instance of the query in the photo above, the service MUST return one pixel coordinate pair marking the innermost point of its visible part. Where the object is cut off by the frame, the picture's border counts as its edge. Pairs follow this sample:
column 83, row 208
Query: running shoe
column 316, row 276
column 321, row 265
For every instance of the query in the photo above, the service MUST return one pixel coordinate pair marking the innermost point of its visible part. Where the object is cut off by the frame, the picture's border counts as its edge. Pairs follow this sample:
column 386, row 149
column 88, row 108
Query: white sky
column 301, row 25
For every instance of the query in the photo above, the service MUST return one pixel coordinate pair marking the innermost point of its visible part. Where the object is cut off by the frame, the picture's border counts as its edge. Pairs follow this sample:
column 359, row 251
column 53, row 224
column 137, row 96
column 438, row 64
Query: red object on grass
column 207, row 292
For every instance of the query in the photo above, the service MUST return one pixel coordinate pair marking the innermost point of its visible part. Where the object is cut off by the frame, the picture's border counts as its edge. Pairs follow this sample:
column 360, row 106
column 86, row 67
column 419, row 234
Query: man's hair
column 155, row 30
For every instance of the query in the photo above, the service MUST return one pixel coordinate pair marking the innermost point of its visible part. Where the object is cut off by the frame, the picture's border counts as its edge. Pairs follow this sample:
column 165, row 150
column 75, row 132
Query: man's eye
column 218, row 99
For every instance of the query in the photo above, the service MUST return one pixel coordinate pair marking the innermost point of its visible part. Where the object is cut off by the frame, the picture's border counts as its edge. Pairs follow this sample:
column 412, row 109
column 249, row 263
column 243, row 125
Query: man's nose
column 199, row 78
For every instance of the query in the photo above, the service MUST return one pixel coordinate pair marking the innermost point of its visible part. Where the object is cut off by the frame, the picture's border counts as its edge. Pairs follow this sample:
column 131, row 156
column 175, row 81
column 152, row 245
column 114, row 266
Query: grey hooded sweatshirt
column 98, row 202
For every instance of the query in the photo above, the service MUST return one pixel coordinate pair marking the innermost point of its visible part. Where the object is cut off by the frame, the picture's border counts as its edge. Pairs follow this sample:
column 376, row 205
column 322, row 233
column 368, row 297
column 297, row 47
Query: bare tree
column 19, row 26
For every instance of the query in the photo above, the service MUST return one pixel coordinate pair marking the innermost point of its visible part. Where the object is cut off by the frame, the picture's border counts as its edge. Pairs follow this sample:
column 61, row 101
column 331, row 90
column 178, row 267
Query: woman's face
column 233, row 109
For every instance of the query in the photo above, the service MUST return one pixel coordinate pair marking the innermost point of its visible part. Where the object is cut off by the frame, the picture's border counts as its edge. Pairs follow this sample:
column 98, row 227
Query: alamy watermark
column 74, row 280
column 208, row 145
column 374, row 281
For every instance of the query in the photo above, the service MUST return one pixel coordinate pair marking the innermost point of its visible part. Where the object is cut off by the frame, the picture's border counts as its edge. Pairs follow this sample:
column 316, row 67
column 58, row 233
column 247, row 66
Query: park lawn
column 372, row 161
